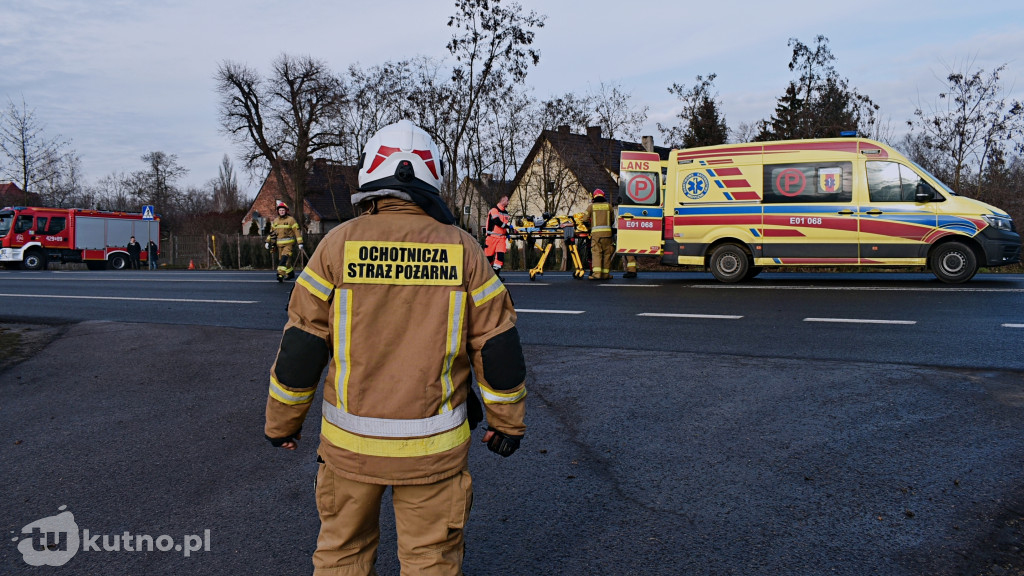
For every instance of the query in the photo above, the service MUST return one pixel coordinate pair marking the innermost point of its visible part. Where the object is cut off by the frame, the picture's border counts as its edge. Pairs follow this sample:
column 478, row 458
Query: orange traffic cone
column 191, row 266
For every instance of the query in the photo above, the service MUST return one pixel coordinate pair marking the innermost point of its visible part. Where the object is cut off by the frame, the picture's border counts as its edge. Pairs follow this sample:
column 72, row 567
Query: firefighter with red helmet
column 599, row 220
column 285, row 234
column 497, row 235
column 404, row 310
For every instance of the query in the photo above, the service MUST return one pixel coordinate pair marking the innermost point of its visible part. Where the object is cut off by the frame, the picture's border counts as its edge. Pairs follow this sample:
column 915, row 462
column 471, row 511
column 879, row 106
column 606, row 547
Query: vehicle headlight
column 999, row 222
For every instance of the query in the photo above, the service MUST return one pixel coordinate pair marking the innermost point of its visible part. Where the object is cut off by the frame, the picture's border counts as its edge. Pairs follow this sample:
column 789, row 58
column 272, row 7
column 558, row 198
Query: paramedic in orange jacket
column 599, row 220
column 497, row 235
column 400, row 305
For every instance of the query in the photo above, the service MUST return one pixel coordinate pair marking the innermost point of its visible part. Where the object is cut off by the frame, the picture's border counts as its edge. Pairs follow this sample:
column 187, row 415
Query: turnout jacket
column 404, row 311
column 599, row 218
column 285, row 230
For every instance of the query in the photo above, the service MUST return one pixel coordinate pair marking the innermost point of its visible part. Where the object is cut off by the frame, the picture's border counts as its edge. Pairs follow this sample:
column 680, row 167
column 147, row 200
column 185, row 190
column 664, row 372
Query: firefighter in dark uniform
column 404, row 310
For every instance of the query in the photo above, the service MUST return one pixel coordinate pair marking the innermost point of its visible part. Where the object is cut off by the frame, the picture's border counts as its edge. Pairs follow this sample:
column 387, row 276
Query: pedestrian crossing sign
column 147, row 212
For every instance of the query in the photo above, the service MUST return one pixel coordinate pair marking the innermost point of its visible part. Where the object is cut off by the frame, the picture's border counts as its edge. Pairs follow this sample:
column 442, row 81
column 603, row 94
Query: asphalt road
column 656, row 444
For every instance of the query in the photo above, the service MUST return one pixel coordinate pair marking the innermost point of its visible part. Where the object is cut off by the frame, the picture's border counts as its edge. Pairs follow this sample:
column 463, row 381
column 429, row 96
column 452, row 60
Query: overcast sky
column 120, row 78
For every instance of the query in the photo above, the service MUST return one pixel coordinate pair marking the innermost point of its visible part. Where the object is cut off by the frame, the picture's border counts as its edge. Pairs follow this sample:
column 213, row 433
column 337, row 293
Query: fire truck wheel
column 729, row 263
column 118, row 261
column 34, row 260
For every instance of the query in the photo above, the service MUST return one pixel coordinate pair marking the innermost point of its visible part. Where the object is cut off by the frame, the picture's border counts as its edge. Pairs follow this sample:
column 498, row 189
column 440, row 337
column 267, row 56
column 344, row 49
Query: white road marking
column 536, row 311
column 1013, row 325
column 859, row 321
column 126, row 298
column 630, row 285
column 854, row 288
column 710, row 316
column 525, row 283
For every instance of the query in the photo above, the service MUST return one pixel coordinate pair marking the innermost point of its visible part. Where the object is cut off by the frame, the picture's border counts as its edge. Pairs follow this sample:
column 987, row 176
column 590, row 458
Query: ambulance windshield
column 6, row 219
column 932, row 176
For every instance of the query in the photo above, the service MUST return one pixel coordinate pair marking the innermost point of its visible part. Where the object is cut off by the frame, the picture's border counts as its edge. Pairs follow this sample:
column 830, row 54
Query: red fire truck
column 33, row 237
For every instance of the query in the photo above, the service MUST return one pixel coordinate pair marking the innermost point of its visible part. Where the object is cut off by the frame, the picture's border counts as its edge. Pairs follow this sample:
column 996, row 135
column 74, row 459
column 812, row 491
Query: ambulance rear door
column 641, row 213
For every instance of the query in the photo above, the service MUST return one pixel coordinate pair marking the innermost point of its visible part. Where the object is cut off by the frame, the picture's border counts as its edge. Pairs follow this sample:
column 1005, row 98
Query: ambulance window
column 24, row 224
column 639, row 188
column 57, row 224
column 891, row 182
column 822, row 182
column 883, row 181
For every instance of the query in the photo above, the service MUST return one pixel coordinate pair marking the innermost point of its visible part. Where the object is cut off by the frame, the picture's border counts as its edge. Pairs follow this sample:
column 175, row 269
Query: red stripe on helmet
column 428, row 159
column 382, row 154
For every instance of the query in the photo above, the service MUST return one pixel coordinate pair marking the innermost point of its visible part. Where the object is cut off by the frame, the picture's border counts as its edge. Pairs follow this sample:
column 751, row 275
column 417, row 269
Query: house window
column 549, row 187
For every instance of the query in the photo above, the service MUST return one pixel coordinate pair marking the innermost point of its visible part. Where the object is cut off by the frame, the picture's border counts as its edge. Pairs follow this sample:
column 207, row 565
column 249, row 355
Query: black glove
column 278, row 442
column 501, row 443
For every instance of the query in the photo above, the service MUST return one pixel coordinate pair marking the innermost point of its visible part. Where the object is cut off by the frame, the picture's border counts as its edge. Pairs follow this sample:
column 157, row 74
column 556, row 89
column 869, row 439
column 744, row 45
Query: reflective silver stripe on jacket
column 394, row 428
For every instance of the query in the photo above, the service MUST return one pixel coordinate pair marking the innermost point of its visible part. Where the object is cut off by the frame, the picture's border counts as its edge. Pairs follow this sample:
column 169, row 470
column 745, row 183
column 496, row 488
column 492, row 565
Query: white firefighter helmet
column 403, row 158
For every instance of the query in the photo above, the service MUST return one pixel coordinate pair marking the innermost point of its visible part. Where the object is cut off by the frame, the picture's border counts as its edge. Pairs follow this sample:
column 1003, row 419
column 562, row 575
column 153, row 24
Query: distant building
column 327, row 201
column 12, row 195
column 563, row 169
column 480, row 195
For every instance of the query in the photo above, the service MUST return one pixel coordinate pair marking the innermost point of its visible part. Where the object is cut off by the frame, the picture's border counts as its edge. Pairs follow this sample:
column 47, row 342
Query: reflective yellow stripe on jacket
column 391, row 437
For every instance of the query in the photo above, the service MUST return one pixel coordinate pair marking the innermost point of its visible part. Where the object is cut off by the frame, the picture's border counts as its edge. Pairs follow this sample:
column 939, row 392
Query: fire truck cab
column 32, row 237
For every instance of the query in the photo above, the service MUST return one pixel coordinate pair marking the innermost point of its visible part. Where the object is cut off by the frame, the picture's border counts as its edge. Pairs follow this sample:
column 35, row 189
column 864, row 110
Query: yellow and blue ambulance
column 738, row 208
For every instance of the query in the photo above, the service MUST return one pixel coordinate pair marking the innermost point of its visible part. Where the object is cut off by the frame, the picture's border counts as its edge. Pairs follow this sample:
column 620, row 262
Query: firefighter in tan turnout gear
column 599, row 219
column 285, row 234
column 404, row 310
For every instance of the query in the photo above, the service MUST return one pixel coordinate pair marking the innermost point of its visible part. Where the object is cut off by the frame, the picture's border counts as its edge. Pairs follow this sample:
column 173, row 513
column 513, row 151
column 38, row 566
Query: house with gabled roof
column 479, row 196
column 12, row 195
column 563, row 169
column 327, row 201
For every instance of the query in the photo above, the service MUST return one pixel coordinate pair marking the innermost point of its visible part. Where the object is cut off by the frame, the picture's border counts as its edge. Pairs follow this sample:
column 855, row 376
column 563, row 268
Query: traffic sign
column 147, row 213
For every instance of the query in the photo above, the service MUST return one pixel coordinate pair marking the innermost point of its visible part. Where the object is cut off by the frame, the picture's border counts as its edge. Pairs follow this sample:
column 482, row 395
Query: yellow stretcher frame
column 559, row 227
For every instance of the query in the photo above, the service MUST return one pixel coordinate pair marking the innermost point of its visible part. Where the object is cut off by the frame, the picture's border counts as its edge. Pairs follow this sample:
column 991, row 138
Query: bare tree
column 570, row 110
column 156, row 184
column 971, row 119
column 226, row 196
column 113, row 192
column 615, row 115
column 32, row 158
column 492, row 47
column 282, row 122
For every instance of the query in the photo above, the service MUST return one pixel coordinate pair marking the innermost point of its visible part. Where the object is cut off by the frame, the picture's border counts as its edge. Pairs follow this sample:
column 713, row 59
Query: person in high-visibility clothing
column 285, row 233
column 404, row 310
column 599, row 220
column 497, row 235
column 628, row 259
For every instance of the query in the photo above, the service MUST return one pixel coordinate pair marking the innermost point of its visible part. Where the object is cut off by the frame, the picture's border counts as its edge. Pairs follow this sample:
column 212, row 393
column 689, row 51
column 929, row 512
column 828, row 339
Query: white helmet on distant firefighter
column 401, row 160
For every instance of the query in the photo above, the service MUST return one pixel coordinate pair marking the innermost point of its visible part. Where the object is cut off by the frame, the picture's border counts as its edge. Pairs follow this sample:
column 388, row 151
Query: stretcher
column 547, row 229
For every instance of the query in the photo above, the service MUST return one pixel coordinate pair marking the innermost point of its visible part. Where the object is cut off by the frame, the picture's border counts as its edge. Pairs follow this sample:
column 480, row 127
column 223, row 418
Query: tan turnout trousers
column 427, row 544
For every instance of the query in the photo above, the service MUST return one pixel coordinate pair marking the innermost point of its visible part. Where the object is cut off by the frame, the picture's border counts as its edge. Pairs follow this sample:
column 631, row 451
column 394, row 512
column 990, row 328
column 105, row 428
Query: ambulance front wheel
column 729, row 263
column 954, row 262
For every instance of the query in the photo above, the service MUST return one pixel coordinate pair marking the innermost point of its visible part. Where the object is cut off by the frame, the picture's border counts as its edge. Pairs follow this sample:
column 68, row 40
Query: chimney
column 648, row 143
column 485, row 179
column 563, row 129
column 594, row 133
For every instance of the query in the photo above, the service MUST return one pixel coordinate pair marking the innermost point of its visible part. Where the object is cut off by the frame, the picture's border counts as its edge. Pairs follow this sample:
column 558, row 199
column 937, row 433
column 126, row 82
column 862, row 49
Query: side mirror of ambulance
column 924, row 192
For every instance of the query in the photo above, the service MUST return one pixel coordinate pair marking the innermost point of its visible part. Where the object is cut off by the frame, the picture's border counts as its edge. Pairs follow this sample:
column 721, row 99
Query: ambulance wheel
column 954, row 262
column 34, row 260
column 729, row 263
column 118, row 262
